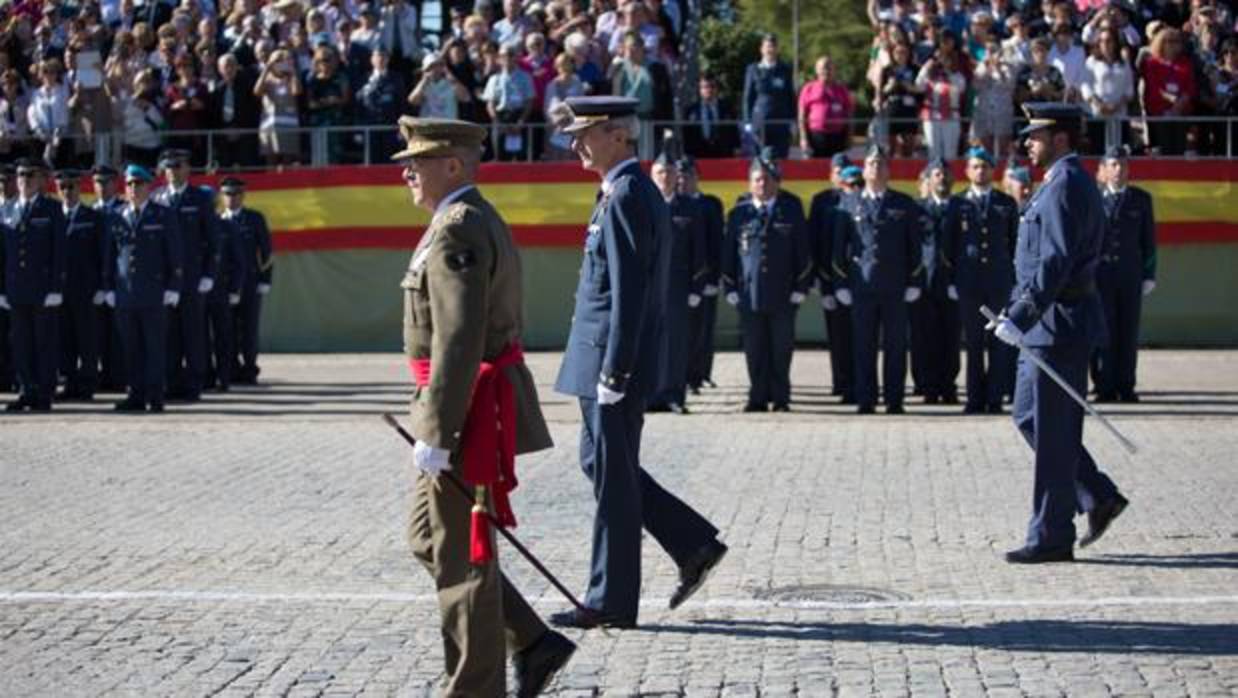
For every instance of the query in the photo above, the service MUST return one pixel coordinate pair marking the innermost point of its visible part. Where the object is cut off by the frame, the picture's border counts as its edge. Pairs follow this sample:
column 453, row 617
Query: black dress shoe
column 693, row 574
column 995, row 408
column 1100, row 518
column 754, row 407
column 970, row 408
column 781, row 407
column 537, row 664
column 41, row 406
column 895, row 409
column 155, row 407
column 129, row 405
column 866, row 409
column 590, row 619
column 931, row 399
column 848, row 399
column 17, row 405
column 1030, row 556
column 677, row 408
column 949, row 399
column 1128, row 397
column 709, row 383
column 1106, row 397
column 657, row 407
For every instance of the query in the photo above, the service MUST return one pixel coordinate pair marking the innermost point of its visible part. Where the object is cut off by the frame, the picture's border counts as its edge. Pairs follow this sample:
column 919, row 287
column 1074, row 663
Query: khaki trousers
column 483, row 615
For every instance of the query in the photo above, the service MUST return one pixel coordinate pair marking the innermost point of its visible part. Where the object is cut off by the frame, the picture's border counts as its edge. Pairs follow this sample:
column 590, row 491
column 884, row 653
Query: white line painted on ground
column 310, row 598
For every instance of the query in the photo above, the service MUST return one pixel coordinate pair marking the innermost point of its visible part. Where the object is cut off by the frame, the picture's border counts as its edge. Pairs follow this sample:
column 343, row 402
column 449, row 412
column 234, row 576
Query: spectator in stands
column 586, row 55
column 1111, row 16
column 630, row 77
column 1039, row 81
column 979, row 35
column 1169, row 91
column 368, row 34
column 1068, row 57
column 1225, row 85
column 143, row 120
column 943, row 85
column 541, row 68
column 186, row 100
column 566, row 84
column 1108, row 88
column 379, row 104
column 438, row 94
column 509, row 101
column 468, row 74
column 14, row 122
column 48, row 115
column 400, row 34
column 1017, row 48
column 825, row 108
column 993, row 115
column 705, row 135
column 327, row 99
column 234, row 106
column 769, row 98
column 512, row 29
column 898, row 100
column 279, row 88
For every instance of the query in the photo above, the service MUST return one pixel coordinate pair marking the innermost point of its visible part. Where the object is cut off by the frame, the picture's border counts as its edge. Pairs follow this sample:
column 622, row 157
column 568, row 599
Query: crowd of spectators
column 88, row 81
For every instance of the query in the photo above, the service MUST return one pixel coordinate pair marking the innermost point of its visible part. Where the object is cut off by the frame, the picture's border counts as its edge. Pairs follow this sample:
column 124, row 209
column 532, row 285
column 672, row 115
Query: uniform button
column 984, row 260
column 984, row 245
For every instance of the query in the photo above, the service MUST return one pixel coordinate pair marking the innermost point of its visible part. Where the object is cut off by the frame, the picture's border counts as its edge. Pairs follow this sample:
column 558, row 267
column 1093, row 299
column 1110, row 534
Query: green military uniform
column 462, row 306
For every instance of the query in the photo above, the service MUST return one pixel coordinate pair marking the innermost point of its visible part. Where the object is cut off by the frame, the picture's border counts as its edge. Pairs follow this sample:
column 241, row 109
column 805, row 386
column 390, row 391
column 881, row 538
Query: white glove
column 843, row 295
column 234, row 299
column 171, row 298
column 53, row 300
column 4, row 302
column 952, row 293
column 797, row 298
column 206, row 284
column 606, row 396
column 693, row 300
column 110, row 299
column 710, row 290
column 264, row 289
column 1148, row 286
column 100, row 298
column 732, row 298
column 911, row 295
column 430, row 460
column 829, row 302
column 1006, row 331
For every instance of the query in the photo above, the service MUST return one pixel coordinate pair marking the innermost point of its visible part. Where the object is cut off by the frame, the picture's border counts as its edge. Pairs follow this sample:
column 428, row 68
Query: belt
column 1074, row 294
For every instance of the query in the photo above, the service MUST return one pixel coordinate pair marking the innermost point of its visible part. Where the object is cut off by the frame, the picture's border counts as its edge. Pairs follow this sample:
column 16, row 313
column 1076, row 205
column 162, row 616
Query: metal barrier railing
column 321, row 146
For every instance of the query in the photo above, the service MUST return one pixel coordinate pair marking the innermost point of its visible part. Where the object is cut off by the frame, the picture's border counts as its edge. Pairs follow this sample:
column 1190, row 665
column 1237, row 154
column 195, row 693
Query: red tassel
column 481, row 550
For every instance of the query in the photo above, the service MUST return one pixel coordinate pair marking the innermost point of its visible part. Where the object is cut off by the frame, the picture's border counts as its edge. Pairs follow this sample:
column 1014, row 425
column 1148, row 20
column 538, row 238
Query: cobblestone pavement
column 254, row 544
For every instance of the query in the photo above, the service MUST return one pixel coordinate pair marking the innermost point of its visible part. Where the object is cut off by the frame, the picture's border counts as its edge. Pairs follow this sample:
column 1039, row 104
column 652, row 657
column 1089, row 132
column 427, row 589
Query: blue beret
column 979, row 153
column 139, row 173
column 1055, row 115
column 1019, row 174
column 590, row 111
column 1117, row 152
column 839, row 161
column 852, row 173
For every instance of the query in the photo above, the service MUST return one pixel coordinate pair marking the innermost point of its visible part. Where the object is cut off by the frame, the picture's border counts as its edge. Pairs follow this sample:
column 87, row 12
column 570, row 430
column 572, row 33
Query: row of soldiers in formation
column 153, row 293
column 890, row 270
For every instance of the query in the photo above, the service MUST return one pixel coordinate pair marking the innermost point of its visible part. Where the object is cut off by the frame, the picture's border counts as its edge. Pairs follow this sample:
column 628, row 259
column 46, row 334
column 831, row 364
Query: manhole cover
column 829, row 593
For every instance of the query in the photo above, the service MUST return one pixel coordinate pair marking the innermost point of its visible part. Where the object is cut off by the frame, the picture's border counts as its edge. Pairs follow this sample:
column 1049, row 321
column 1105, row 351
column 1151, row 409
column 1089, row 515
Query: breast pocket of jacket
column 416, row 300
column 1030, row 230
column 595, row 259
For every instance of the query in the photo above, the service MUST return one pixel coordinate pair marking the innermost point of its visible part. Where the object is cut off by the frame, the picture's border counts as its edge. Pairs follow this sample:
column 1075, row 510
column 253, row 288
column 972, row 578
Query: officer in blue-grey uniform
column 108, row 202
column 222, row 301
column 935, row 317
column 704, row 317
column 984, row 275
column 195, row 223
column 877, row 271
column 766, row 271
column 822, row 215
column 32, row 256
column 682, row 260
column 1055, row 311
column 1127, row 273
column 143, row 278
column 255, row 283
column 81, row 317
column 610, row 366
column 8, row 192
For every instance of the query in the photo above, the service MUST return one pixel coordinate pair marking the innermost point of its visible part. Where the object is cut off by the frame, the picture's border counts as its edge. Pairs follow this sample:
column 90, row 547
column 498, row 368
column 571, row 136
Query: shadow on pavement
column 1117, row 637
column 1192, row 561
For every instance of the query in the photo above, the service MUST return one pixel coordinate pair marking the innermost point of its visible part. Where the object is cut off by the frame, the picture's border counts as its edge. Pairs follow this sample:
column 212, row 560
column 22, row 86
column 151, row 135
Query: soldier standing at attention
column 1055, row 311
column 194, row 218
column 462, row 325
column 255, row 283
column 876, row 270
column 1127, row 273
column 935, row 317
column 704, row 316
column 8, row 192
column 109, row 203
column 822, row 215
column 81, row 318
column 984, row 275
column 766, row 273
column 684, row 253
column 142, row 276
column 610, row 366
column 224, row 298
column 1017, row 181
column 32, row 257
